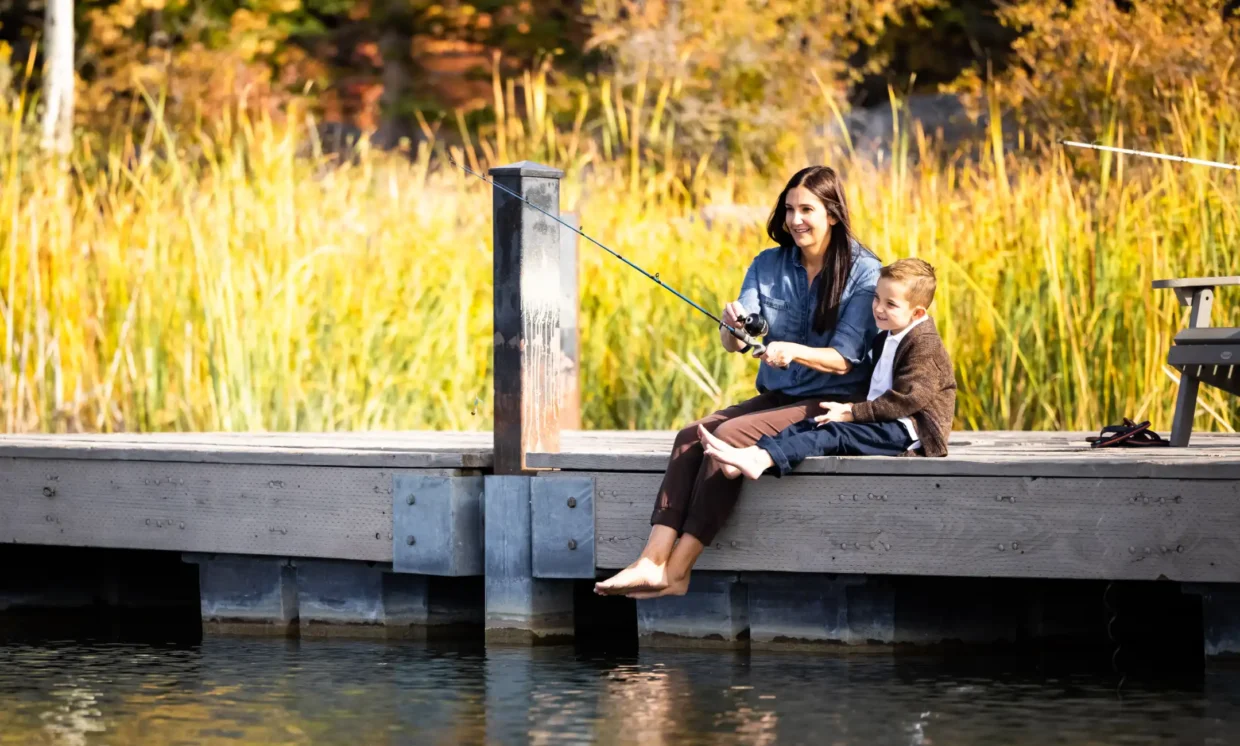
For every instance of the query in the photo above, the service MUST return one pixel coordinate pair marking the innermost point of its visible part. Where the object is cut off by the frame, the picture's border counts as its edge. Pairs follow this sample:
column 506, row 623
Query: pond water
column 256, row 691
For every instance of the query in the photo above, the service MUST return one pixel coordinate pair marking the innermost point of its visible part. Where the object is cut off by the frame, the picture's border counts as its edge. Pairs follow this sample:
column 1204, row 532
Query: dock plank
column 413, row 450
column 992, row 454
column 1137, row 529
column 291, row 511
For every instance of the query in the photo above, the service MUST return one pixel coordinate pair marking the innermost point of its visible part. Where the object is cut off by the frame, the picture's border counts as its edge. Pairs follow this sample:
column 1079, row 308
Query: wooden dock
column 1003, row 504
column 1006, row 504
column 395, row 533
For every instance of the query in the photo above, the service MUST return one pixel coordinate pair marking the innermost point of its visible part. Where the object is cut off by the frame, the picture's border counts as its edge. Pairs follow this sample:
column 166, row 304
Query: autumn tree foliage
column 1082, row 65
column 744, row 76
column 746, row 71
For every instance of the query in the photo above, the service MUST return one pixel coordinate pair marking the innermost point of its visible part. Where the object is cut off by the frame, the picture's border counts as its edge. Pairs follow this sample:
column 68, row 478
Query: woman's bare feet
column 679, row 565
column 644, row 575
column 675, row 587
column 751, row 461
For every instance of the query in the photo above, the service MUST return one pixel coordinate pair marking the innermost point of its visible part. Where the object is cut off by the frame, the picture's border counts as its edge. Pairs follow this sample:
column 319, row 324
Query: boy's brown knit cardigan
column 922, row 388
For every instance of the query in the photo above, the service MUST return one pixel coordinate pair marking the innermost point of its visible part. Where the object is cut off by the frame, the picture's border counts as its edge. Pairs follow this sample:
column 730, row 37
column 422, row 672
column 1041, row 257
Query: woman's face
column 806, row 219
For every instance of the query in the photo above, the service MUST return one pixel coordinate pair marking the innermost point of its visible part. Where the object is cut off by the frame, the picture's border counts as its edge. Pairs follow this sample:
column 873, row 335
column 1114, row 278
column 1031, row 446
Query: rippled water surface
column 239, row 691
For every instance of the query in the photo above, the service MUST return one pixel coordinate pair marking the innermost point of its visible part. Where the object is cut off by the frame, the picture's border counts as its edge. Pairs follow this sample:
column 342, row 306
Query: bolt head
column 410, row 540
column 572, row 543
column 572, row 502
column 411, row 499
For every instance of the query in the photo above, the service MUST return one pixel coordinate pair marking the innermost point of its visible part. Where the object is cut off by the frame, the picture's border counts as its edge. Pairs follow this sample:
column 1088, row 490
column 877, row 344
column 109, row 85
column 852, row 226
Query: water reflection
column 261, row 691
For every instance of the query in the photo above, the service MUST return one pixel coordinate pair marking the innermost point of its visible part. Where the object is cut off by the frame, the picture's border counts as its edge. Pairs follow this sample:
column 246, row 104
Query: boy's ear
column 920, row 312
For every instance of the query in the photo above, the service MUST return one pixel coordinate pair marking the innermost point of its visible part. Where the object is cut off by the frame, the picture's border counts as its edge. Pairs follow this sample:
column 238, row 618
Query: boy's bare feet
column 709, row 442
column 644, row 575
column 751, row 461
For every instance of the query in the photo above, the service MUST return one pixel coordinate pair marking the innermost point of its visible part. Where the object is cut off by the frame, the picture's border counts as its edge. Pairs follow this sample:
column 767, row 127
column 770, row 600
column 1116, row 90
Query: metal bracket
column 437, row 525
column 562, row 518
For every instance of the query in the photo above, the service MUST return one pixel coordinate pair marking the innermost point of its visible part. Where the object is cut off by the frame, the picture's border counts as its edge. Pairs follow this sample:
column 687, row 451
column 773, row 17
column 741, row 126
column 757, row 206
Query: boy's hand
column 836, row 412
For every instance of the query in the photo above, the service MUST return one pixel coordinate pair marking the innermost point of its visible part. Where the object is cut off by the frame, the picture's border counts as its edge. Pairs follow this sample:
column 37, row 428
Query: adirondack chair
column 1202, row 354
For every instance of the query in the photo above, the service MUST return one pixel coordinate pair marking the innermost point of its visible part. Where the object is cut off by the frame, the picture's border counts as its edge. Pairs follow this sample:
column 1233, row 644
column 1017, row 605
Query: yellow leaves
column 244, row 20
column 277, row 6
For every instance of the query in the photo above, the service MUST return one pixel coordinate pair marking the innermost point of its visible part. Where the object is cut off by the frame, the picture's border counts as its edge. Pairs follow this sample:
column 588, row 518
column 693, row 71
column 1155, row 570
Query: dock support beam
column 331, row 598
column 338, row 598
column 796, row 611
column 247, row 595
column 714, row 613
column 520, row 608
column 1220, row 618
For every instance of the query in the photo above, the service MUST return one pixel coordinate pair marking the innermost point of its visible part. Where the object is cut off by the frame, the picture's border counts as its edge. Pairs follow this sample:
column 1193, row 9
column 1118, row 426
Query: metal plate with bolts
column 562, row 517
column 437, row 525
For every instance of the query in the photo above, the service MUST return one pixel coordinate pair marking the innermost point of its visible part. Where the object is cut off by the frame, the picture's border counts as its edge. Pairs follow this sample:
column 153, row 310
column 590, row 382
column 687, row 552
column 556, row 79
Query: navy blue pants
column 798, row 442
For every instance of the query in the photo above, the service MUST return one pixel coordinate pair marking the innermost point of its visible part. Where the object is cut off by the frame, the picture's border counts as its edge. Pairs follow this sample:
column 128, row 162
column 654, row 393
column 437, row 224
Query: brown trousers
column 696, row 498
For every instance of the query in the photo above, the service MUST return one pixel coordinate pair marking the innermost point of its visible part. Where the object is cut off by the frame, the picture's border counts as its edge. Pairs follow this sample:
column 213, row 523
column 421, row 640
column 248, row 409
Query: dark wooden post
column 527, row 314
column 529, row 365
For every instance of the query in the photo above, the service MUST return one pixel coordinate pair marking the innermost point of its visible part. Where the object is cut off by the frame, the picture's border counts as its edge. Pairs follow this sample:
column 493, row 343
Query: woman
column 815, row 290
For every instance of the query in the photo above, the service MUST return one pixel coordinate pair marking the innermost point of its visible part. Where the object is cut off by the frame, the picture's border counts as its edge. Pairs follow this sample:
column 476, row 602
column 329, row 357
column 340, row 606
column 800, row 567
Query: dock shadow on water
column 264, row 691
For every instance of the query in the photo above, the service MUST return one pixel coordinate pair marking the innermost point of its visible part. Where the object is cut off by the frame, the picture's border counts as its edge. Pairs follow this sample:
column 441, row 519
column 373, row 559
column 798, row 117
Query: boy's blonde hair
column 917, row 276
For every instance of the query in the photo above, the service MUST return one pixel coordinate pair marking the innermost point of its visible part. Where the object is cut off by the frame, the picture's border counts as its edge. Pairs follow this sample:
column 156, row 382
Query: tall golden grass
column 234, row 277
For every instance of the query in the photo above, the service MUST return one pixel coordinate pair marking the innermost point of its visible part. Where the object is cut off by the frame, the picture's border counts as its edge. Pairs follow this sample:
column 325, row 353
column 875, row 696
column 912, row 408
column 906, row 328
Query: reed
column 235, row 277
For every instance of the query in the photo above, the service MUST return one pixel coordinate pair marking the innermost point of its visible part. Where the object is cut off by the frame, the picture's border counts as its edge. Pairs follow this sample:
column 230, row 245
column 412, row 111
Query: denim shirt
column 777, row 286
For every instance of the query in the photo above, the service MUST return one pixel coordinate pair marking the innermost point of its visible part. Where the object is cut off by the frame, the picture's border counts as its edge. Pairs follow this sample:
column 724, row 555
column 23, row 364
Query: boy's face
column 892, row 309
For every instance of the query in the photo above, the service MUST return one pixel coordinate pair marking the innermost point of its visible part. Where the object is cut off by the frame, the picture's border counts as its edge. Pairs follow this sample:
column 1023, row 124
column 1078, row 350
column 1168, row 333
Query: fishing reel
column 752, row 329
column 755, row 325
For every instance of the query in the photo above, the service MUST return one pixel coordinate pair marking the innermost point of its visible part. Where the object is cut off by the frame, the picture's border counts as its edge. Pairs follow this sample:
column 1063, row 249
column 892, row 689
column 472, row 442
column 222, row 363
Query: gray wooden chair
column 1202, row 354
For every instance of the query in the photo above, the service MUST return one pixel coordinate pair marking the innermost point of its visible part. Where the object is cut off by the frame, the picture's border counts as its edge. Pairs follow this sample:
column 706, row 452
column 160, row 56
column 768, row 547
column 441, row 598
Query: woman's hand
column 732, row 315
column 836, row 412
column 780, row 354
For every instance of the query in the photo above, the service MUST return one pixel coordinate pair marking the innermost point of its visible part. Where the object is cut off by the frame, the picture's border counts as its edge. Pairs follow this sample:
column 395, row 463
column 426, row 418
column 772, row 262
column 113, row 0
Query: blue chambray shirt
column 777, row 286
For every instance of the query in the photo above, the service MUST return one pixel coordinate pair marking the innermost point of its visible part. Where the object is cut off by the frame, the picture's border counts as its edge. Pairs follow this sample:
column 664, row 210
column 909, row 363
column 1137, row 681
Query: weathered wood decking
column 1016, row 504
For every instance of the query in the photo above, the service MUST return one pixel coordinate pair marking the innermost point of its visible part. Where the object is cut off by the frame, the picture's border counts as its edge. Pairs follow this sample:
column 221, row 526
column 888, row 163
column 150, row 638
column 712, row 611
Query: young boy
column 911, row 400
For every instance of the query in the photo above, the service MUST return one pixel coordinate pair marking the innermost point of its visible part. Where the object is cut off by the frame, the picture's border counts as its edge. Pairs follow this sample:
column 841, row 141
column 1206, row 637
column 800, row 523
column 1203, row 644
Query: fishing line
column 752, row 325
column 1150, row 154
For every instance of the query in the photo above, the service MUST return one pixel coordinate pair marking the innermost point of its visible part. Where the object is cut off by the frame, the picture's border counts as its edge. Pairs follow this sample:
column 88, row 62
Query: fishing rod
column 1149, row 154
column 752, row 326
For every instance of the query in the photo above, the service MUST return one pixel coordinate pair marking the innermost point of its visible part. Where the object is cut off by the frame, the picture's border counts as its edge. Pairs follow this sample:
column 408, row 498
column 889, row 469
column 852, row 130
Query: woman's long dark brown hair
column 824, row 184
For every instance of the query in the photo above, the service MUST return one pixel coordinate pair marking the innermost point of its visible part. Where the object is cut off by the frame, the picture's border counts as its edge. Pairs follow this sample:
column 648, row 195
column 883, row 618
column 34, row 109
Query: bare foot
column 710, row 442
column 675, row 587
column 751, row 461
column 644, row 575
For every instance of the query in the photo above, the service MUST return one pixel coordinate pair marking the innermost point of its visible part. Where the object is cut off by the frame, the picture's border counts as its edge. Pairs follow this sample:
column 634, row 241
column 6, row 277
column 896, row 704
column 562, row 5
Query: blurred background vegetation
column 255, row 227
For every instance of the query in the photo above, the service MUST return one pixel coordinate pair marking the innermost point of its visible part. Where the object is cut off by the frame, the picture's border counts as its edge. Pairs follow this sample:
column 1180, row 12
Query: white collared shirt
column 880, row 381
